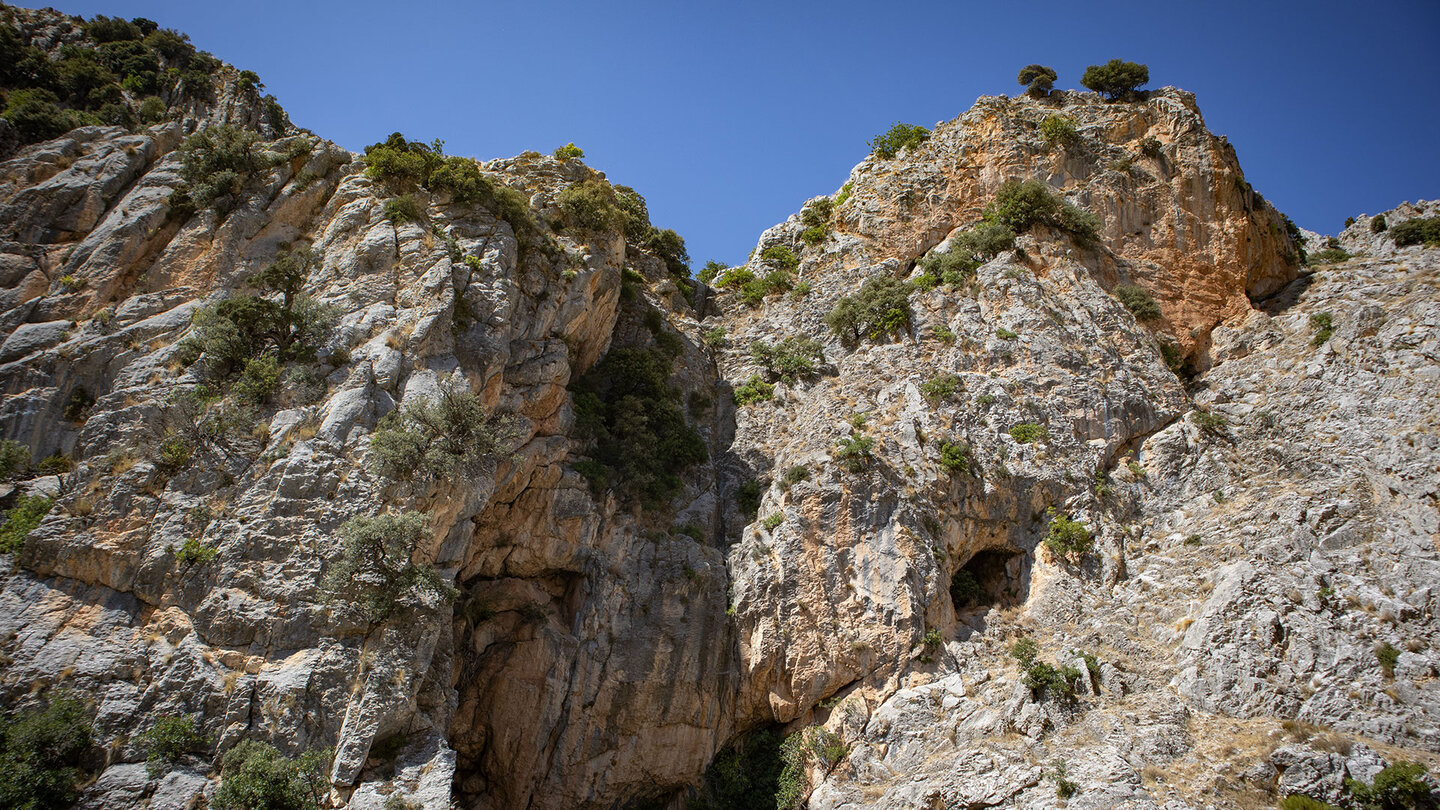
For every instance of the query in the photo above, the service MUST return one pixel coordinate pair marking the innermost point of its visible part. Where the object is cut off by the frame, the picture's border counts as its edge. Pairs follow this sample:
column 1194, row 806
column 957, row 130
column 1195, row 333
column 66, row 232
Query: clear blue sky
column 728, row 115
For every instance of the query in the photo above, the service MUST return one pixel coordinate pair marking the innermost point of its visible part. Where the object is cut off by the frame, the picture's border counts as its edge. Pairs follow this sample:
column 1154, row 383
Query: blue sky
column 727, row 116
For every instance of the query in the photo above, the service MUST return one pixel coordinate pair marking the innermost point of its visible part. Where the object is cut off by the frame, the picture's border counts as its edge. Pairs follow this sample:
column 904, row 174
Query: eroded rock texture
column 1260, row 524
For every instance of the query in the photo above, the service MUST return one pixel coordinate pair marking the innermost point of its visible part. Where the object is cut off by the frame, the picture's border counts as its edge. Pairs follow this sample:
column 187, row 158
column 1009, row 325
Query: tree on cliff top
column 1115, row 78
column 1038, row 79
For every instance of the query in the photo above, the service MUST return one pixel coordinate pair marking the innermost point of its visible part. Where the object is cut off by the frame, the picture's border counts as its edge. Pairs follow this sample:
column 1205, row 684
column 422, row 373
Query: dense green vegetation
column 789, row 359
column 375, row 571
column 431, row 441
column 21, row 519
column 403, row 166
column 169, row 739
column 898, row 137
column 1138, row 300
column 1029, row 432
column 256, row 776
column 881, row 308
column 1038, row 80
column 1115, row 79
column 569, row 152
column 640, row 443
column 1058, row 129
column 1421, row 230
column 1022, row 204
column 969, row 249
column 14, row 459
column 1067, row 538
column 41, row 751
column 760, row 772
column 252, row 335
column 118, row 72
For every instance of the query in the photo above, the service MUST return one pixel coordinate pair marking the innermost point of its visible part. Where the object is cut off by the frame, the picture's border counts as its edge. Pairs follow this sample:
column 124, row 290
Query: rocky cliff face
column 1257, row 528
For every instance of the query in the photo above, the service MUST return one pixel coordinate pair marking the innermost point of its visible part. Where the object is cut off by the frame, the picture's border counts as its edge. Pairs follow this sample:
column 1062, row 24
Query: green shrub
column 881, row 308
column 748, row 495
column 433, row 441
column 21, row 519
column 36, row 115
column 855, row 452
column 256, row 776
column 1151, row 147
column 1057, row 129
column 1021, row 205
column 940, row 389
column 569, row 151
column 1212, row 424
column 1324, row 325
column 1115, row 79
column 174, row 452
column 1401, row 786
column 817, row 213
column 590, row 207
column 898, row 137
column 1005, row 334
column 1388, row 657
column 780, row 256
column 752, row 391
column 1331, row 255
column 401, row 164
column 669, row 247
column 711, row 270
column 1422, row 230
column 405, row 208
column 217, row 164
column 41, row 754
column 239, row 331
column 955, row 457
column 794, row 475
column 636, row 212
column 1038, row 80
column 193, row 552
column 627, row 407
column 736, row 278
column 771, row 521
column 1067, row 538
column 1064, row 788
column 14, row 459
column 715, row 337
column 1377, row 224
column 1174, row 358
column 943, row 334
column 1029, row 432
column 168, row 740
column 790, row 359
column 258, row 380
column 1025, row 650
column 845, row 192
column 375, row 571
column 112, row 29
column 746, row 775
column 1137, row 299
column 968, row 250
column 964, row 589
column 814, row 235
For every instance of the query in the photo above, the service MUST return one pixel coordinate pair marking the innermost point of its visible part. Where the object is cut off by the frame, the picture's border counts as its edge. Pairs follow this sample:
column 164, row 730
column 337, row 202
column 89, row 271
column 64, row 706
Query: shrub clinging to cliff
column 898, row 137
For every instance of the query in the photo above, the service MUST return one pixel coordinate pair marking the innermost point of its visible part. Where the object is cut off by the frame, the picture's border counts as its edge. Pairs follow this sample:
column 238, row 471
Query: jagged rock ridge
column 601, row 653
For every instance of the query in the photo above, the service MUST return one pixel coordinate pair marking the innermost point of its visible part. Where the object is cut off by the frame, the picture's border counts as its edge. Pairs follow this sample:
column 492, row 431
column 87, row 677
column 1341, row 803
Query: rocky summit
column 1043, row 464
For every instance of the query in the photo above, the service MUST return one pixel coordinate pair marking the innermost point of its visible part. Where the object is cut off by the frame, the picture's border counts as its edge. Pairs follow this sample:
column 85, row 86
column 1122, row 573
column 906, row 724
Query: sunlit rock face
column 852, row 560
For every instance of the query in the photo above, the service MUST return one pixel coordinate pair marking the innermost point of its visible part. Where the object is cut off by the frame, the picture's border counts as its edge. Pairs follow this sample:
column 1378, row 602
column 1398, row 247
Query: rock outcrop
column 857, row 554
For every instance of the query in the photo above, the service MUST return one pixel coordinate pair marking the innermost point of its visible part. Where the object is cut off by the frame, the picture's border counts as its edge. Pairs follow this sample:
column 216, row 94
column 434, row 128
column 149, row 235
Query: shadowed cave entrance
column 994, row 577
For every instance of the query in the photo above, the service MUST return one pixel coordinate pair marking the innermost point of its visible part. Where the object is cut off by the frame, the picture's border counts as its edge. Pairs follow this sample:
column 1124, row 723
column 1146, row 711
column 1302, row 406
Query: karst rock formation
column 844, row 552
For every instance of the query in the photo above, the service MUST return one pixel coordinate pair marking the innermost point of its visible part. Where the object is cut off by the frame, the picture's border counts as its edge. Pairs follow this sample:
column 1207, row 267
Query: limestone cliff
column 856, row 552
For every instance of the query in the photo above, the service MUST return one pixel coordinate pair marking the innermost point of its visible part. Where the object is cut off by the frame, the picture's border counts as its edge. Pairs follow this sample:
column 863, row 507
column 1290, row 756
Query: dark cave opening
column 994, row 577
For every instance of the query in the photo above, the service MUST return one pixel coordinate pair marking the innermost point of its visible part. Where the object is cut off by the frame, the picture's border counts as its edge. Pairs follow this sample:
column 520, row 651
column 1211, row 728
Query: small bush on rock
column 217, row 164
column 375, row 571
column 41, row 751
column 1138, row 300
column 21, row 519
column 790, row 359
column 1067, row 538
column 1021, row 205
column 901, row 136
column 881, row 308
column 1029, row 432
column 167, row 741
column 1422, row 230
column 569, row 152
column 14, row 459
column 429, row 441
column 1057, row 129
column 1401, row 786
column 256, row 776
